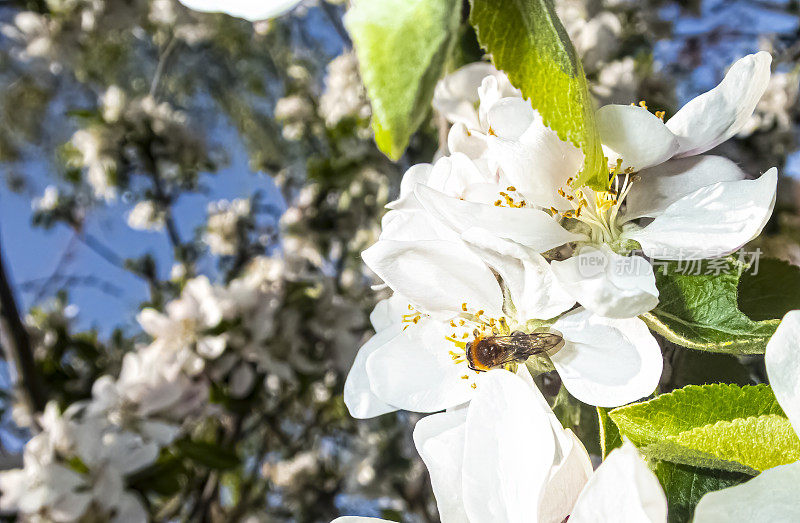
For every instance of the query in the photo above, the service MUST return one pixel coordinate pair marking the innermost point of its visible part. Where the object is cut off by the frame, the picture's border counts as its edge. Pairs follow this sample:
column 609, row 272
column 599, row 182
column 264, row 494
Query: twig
column 72, row 280
column 162, row 61
column 101, row 250
column 66, row 256
column 18, row 345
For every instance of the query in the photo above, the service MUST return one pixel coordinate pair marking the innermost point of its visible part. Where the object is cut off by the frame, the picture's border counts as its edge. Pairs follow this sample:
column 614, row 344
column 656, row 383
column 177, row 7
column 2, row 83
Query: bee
column 487, row 352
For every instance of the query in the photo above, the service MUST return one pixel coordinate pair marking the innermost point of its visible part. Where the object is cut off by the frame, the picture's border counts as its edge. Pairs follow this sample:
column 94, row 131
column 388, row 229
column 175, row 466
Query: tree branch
column 18, row 345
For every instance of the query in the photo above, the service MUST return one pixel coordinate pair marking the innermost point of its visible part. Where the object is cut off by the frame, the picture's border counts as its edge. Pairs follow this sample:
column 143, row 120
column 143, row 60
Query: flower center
column 600, row 209
column 515, row 201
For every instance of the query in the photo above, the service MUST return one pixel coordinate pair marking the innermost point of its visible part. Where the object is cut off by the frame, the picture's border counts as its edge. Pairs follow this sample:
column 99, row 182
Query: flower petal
column 461, row 140
column 715, row 116
column 535, row 290
column 130, row 509
column 361, row 401
column 639, row 137
column 419, row 173
column 510, row 117
column 250, row 10
column 456, row 95
column 530, row 227
column 770, row 496
column 662, row 185
column 439, row 439
column 415, row 371
column 388, row 312
column 712, row 221
column 212, row 347
column 782, row 359
column 414, row 225
column 622, row 489
column 607, row 362
column 533, row 159
column 508, row 450
column 436, row 276
column 566, row 481
column 608, row 284
column 359, row 519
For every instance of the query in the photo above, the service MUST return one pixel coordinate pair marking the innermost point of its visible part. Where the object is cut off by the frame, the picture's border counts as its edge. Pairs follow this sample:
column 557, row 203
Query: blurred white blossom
column 146, row 216
column 222, row 228
column 344, row 95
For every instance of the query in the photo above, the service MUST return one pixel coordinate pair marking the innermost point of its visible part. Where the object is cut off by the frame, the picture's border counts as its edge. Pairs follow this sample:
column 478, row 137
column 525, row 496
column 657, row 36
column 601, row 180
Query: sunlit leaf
column 402, row 48
column 528, row 42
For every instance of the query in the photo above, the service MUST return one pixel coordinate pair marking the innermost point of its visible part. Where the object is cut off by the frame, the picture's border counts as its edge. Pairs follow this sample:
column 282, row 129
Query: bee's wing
column 521, row 346
column 549, row 342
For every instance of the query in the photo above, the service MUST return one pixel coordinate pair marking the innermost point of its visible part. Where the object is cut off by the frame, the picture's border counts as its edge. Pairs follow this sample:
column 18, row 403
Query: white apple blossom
column 772, row 495
column 113, row 103
column 294, row 112
column 151, row 396
column 444, row 293
column 222, row 228
column 250, row 10
column 48, row 201
column 521, row 174
column 77, row 466
column 98, row 163
column 456, row 95
column 505, row 457
column 183, row 329
column 774, row 108
column 146, row 216
column 344, row 94
column 185, row 336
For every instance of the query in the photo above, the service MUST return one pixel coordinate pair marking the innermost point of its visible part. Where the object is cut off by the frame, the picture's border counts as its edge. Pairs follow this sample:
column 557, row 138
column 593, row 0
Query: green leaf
column 685, row 485
column 721, row 426
column 771, row 291
column 165, row 477
column 759, row 442
column 701, row 311
column 673, row 452
column 692, row 406
column 610, row 437
column 402, row 48
column 208, row 454
column 528, row 42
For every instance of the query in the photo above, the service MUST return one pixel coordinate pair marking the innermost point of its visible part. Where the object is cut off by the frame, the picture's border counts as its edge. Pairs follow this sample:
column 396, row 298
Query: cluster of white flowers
column 596, row 35
column 48, row 201
column 495, row 240
column 146, row 216
column 77, row 466
column 49, row 38
column 222, row 233
column 126, row 127
column 344, row 95
column 189, row 329
column 775, row 107
column 32, row 32
column 79, row 463
column 94, row 156
column 294, row 112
